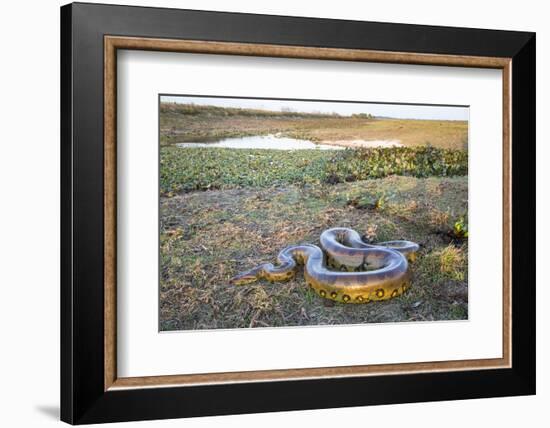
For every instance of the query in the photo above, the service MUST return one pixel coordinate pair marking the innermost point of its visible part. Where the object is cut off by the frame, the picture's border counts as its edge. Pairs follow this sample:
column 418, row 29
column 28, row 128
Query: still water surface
column 263, row 142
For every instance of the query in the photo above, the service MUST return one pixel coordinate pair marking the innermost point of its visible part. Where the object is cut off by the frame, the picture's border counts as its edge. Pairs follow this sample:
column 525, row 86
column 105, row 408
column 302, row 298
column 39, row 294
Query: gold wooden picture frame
column 114, row 43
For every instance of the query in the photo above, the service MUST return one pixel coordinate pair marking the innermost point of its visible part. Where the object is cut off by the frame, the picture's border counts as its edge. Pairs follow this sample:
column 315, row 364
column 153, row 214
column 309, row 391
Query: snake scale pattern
column 359, row 272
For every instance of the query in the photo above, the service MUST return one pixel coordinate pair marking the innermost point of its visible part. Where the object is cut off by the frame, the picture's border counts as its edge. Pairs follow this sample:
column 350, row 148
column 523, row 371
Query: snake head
column 247, row 277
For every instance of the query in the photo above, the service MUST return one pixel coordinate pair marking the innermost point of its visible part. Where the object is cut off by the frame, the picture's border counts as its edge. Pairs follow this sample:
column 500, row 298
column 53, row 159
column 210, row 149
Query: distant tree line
column 363, row 115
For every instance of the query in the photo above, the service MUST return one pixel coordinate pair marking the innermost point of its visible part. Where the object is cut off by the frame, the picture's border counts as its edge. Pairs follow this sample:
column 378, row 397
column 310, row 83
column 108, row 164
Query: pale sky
column 398, row 111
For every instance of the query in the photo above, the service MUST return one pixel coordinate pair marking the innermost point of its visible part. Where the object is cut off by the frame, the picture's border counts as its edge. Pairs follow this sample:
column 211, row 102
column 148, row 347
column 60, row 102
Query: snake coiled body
column 384, row 267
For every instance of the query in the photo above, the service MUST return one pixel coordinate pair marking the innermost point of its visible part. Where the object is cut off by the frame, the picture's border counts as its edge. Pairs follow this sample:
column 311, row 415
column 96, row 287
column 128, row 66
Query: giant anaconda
column 384, row 270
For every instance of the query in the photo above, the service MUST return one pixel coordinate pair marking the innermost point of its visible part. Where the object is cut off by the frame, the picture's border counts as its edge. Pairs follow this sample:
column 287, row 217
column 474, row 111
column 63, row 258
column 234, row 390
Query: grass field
column 237, row 215
column 192, row 123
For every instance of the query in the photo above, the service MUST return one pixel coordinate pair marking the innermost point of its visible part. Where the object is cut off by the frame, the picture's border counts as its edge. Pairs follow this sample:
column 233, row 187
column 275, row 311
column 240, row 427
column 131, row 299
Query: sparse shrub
column 460, row 229
column 452, row 262
column 439, row 219
column 443, row 264
column 369, row 201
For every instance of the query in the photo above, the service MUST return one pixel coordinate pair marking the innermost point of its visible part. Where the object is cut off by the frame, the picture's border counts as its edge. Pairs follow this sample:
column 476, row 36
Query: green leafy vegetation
column 425, row 161
column 190, row 169
column 460, row 228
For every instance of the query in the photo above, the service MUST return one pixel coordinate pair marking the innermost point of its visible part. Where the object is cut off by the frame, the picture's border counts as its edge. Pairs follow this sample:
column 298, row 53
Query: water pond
column 263, row 142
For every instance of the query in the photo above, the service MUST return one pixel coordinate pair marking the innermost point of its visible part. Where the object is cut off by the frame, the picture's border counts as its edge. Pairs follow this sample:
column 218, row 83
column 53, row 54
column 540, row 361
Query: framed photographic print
column 265, row 213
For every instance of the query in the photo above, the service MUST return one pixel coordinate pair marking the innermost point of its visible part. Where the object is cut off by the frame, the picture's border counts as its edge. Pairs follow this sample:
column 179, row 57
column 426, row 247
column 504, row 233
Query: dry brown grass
column 179, row 127
column 207, row 237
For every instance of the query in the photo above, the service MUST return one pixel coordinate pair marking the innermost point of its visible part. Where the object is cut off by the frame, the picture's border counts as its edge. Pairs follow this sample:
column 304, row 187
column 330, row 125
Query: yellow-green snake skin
column 383, row 268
